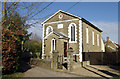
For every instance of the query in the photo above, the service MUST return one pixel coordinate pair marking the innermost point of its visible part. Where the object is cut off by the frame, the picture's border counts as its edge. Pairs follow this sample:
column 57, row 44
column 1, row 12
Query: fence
column 59, row 61
column 102, row 58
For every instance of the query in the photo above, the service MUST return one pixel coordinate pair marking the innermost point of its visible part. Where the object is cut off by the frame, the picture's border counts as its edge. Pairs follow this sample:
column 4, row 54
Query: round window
column 60, row 16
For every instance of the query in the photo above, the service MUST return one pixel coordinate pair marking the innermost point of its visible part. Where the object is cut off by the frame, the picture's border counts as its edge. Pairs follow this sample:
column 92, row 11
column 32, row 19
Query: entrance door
column 65, row 49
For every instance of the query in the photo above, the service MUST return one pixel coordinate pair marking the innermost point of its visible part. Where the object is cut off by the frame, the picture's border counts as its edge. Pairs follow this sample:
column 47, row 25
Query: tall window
column 93, row 37
column 48, row 30
column 98, row 39
column 72, row 32
column 53, row 44
column 87, row 35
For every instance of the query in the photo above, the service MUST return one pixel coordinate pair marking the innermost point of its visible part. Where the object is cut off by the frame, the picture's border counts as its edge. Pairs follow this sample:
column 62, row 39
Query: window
column 93, row 37
column 98, row 39
column 87, row 35
column 48, row 30
column 60, row 26
column 60, row 16
column 72, row 32
column 53, row 44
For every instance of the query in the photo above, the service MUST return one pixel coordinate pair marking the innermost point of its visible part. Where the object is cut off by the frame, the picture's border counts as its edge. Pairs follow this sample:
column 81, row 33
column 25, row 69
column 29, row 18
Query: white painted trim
column 53, row 39
column 87, row 38
column 61, row 21
column 111, row 47
column 60, row 16
column 71, row 14
column 43, row 43
column 58, row 12
column 48, row 35
column 76, row 54
column 80, row 40
column 50, row 17
column 69, row 33
column 98, row 40
column 114, row 43
column 93, row 38
column 102, row 46
column 48, row 29
column 60, row 26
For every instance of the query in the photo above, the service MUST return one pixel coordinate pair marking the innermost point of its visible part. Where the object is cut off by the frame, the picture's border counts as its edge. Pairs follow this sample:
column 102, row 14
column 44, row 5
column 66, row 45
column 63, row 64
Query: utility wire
column 41, row 10
column 72, row 6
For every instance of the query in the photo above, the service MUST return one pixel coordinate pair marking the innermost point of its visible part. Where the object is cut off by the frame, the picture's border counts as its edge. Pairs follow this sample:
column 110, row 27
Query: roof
column 60, row 34
column 84, row 20
column 115, row 44
column 62, row 12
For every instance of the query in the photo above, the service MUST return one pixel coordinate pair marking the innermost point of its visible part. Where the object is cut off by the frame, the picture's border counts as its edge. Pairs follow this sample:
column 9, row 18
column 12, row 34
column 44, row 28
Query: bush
column 33, row 46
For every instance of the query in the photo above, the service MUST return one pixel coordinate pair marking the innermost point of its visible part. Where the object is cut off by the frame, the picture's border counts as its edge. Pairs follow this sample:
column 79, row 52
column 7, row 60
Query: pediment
column 60, row 16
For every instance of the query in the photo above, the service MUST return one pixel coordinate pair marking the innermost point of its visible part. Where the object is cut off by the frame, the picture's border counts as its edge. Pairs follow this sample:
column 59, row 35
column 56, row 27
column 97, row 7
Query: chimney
column 107, row 38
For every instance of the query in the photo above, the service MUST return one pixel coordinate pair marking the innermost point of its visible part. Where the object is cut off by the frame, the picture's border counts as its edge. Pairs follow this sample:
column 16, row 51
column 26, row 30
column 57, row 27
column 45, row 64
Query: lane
column 40, row 72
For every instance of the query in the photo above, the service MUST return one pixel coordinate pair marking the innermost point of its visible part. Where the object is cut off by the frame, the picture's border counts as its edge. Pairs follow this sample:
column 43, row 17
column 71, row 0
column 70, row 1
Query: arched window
column 53, row 44
column 72, row 32
column 48, row 30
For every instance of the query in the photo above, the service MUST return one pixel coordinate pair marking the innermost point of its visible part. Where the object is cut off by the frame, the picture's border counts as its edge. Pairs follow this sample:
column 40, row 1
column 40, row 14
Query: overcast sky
column 102, row 14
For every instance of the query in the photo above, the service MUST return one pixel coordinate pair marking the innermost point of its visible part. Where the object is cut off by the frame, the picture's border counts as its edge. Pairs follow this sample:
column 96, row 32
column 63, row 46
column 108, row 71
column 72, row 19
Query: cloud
column 109, row 29
column 36, row 28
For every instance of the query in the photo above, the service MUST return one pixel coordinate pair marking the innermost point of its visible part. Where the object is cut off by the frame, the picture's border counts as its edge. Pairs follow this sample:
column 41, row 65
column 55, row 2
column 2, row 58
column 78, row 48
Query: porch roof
column 60, row 34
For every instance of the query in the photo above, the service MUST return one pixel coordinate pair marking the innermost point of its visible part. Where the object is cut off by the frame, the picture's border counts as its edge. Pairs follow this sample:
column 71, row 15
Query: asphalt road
column 40, row 72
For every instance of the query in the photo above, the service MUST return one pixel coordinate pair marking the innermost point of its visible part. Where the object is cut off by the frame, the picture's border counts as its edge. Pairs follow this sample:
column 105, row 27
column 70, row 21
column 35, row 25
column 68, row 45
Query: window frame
column 93, row 38
column 60, row 26
column 98, row 43
column 70, row 33
column 53, row 44
column 48, row 29
column 87, row 36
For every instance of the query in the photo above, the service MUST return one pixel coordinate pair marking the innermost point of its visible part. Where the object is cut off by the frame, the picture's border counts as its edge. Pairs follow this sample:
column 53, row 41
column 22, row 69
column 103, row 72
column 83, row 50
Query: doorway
column 65, row 49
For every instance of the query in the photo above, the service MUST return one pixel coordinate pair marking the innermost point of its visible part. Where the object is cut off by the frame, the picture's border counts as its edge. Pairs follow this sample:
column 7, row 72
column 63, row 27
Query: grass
column 12, row 76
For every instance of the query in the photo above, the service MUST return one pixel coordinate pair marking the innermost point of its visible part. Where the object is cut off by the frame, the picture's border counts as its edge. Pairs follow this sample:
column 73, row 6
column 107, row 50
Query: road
column 41, row 72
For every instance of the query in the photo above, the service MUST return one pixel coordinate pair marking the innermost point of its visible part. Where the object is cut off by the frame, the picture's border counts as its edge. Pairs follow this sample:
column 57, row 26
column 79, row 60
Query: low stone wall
column 85, row 63
column 76, row 65
column 42, row 63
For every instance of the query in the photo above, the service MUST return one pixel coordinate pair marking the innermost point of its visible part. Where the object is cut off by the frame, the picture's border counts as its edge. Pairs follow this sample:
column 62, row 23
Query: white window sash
column 69, row 34
column 47, row 29
column 53, row 44
column 93, row 37
column 87, row 41
column 98, row 39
